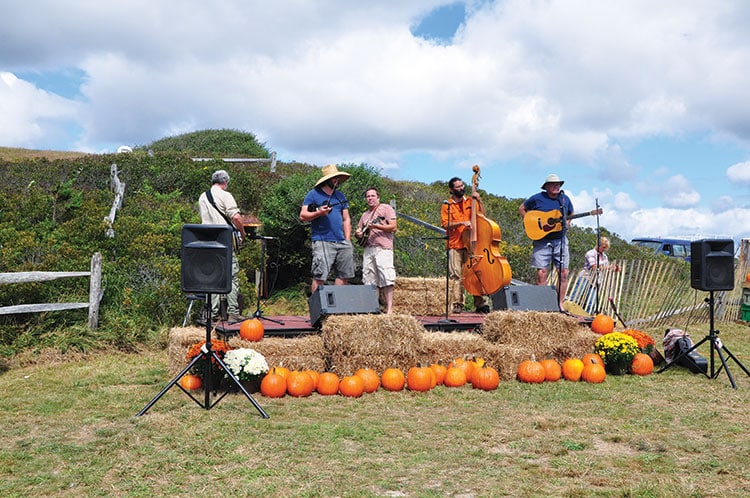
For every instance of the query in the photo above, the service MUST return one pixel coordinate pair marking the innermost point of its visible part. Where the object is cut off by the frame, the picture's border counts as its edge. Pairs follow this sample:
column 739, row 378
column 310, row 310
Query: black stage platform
column 288, row 326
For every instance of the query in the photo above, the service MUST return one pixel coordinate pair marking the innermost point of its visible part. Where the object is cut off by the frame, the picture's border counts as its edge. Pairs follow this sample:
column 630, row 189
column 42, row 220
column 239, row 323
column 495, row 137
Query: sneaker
column 483, row 309
column 235, row 318
column 457, row 309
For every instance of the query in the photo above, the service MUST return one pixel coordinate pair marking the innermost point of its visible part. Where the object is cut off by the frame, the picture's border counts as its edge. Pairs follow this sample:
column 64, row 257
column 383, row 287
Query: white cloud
column 540, row 84
column 739, row 173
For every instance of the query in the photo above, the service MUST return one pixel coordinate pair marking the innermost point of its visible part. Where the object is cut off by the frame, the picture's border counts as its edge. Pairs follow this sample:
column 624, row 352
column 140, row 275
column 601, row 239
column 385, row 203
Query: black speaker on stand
column 712, row 269
column 206, row 268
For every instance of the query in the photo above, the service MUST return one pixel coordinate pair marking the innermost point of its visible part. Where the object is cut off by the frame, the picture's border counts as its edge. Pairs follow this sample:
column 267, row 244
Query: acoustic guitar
column 539, row 224
column 362, row 241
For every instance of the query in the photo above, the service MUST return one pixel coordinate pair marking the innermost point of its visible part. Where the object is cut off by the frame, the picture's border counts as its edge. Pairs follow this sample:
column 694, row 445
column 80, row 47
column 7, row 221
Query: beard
column 458, row 193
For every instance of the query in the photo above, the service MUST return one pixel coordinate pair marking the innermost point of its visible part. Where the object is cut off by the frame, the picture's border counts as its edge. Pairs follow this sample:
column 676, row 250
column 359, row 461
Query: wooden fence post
column 95, row 290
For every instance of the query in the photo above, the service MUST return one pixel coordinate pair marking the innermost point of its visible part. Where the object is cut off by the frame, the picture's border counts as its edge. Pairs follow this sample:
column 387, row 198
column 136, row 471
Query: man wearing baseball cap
column 553, row 247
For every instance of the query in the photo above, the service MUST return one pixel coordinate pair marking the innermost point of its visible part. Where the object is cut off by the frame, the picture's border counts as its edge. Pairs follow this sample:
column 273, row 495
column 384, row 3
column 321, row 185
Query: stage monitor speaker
column 342, row 300
column 526, row 298
column 712, row 264
column 206, row 259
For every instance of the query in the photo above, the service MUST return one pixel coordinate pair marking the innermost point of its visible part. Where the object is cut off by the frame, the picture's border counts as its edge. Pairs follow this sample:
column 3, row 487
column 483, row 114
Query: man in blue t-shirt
column 553, row 247
column 327, row 211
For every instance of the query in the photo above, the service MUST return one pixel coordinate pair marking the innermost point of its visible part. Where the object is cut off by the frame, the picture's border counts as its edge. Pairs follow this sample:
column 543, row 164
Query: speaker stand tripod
column 210, row 357
column 716, row 346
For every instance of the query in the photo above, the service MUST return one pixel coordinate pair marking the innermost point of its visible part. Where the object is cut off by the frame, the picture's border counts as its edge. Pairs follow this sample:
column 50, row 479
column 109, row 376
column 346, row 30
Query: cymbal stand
column 210, row 357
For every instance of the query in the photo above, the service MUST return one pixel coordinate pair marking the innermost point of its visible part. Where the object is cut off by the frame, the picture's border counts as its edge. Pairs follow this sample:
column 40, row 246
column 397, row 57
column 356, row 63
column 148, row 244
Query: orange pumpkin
column 299, row 384
column 392, row 379
column 251, row 330
column 439, row 371
column 370, row 377
column 593, row 372
column 589, row 357
column 572, row 368
column 191, row 382
column 602, row 324
column 747, row 277
column 531, row 371
column 466, row 365
column 315, row 376
column 273, row 385
column 419, row 378
column 642, row 364
column 454, row 377
column 283, row 371
column 328, row 383
column 485, row 378
column 552, row 370
column 352, row 386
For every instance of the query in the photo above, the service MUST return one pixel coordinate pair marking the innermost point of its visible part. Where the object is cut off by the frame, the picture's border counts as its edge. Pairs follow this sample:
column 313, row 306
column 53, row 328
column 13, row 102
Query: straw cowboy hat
column 553, row 178
column 331, row 171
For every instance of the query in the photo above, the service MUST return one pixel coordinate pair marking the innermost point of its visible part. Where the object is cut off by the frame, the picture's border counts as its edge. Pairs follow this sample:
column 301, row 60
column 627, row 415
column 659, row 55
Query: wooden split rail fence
column 95, row 290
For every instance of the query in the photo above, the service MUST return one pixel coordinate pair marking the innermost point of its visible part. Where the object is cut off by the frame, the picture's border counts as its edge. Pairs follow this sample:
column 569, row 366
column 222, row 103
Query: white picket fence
column 95, row 290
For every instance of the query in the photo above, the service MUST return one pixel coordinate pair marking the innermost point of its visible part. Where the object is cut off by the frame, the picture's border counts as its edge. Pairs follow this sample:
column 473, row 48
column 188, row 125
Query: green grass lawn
column 70, row 429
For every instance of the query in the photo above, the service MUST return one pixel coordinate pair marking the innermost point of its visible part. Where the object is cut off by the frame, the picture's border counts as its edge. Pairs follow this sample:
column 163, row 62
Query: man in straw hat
column 553, row 247
column 327, row 210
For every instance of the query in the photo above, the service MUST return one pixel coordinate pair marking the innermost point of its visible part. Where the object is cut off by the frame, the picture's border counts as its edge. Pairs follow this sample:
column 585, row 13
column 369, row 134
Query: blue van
column 675, row 248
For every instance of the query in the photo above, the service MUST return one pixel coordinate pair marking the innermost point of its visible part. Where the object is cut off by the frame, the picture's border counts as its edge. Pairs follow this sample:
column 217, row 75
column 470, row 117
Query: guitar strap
column 236, row 241
column 210, row 198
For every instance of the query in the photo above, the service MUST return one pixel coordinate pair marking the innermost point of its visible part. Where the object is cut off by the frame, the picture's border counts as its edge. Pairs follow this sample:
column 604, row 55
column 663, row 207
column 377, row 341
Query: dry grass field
column 70, row 428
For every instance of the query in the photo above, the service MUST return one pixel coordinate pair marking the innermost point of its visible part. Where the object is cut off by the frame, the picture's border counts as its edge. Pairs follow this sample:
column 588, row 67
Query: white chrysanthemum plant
column 245, row 363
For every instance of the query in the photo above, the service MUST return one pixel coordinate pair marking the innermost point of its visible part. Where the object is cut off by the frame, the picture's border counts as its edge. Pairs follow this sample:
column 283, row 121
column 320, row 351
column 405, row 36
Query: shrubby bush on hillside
column 52, row 218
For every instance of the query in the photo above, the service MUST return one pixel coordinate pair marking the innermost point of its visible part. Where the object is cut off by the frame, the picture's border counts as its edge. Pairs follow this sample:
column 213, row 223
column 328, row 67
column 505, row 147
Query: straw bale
column 440, row 347
column 419, row 296
column 298, row 353
column 179, row 342
column 375, row 340
column 542, row 334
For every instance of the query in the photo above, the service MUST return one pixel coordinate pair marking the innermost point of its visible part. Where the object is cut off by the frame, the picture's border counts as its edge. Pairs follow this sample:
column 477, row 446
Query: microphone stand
column 597, row 273
column 447, row 265
column 258, row 313
column 561, row 200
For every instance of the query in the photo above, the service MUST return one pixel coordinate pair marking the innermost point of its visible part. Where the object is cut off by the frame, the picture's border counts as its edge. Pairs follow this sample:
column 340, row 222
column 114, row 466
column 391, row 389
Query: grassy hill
column 52, row 218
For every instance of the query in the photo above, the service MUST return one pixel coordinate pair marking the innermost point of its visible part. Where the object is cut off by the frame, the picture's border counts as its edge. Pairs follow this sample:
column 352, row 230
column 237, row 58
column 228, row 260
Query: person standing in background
column 218, row 207
column 375, row 230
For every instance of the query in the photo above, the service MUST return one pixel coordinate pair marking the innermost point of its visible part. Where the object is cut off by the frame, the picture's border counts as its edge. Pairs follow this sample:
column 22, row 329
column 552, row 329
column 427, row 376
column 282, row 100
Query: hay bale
column 439, row 347
column 553, row 335
column 298, row 353
column 377, row 341
column 419, row 296
column 178, row 344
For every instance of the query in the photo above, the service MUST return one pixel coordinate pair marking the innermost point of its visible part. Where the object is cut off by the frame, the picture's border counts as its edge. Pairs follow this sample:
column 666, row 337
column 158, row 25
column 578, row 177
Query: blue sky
column 639, row 106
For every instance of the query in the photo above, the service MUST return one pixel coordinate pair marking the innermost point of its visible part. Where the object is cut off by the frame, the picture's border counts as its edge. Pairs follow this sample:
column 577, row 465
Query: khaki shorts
column 377, row 267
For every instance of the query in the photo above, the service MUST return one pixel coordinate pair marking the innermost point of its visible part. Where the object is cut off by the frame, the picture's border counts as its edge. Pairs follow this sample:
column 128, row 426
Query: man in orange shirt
column 455, row 217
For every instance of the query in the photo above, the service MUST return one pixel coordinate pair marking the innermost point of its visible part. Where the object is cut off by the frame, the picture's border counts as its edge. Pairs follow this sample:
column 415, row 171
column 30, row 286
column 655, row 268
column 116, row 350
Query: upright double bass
column 486, row 271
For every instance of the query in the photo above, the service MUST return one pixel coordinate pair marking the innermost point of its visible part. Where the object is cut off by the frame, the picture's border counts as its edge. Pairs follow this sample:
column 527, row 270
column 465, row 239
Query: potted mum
column 617, row 350
column 248, row 365
column 217, row 346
